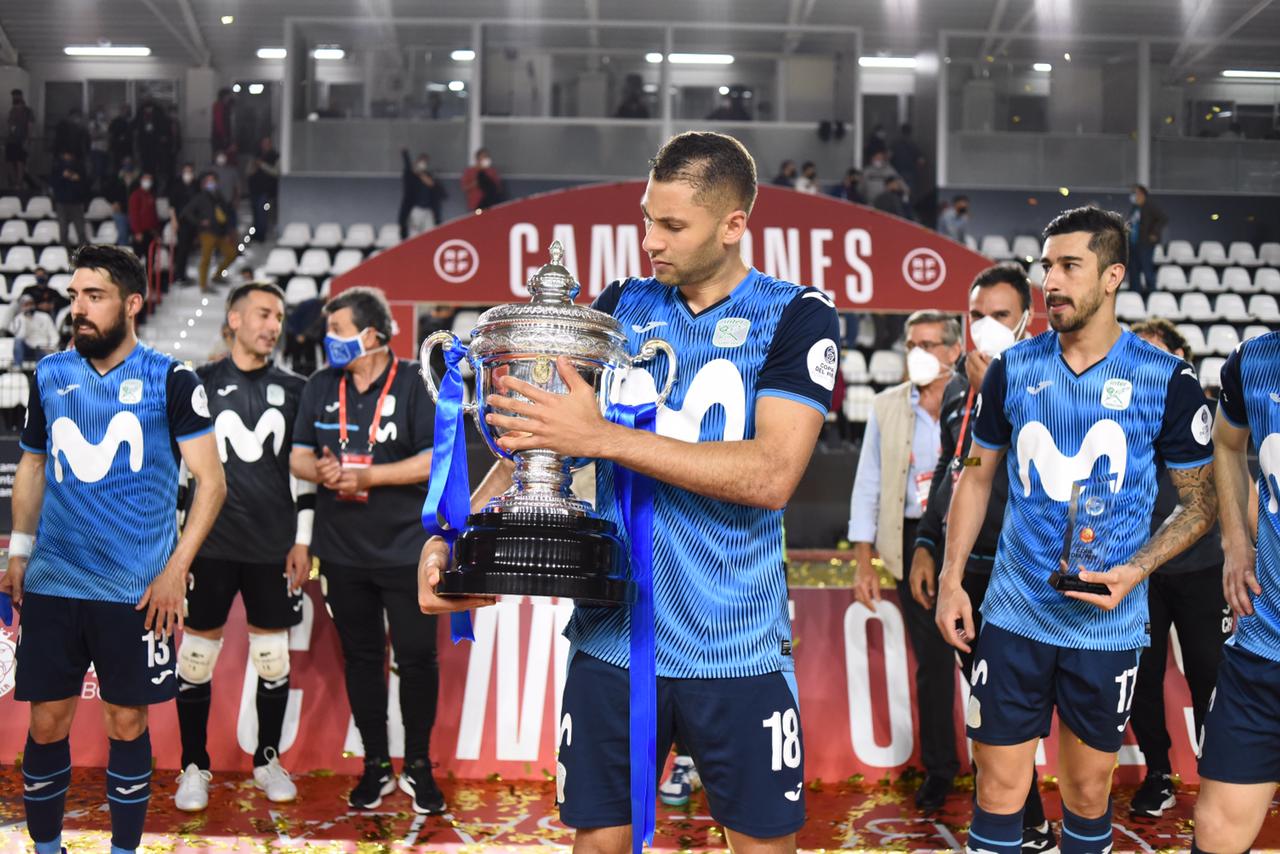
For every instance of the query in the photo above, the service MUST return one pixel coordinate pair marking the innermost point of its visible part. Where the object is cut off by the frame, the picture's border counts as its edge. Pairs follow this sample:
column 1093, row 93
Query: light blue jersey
column 108, row 523
column 1251, row 399
column 1111, row 426
column 720, row 587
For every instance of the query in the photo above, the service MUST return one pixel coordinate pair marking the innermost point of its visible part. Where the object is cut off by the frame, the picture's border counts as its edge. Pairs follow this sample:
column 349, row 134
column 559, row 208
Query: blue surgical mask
column 343, row 351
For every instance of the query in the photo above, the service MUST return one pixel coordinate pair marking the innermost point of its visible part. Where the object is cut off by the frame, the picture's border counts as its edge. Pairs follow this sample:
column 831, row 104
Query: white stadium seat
column 1172, row 278
column 163, row 210
column 1161, row 304
column 996, row 247
column 1204, row 279
column 1230, row 307
column 14, row 231
column 20, row 283
column 1253, row 331
column 314, row 262
column 54, row 259
column 1237, row 280
column 1211, row 372
column 39, row 207
column 1026, row 248
column 853, row 367
column 1180, row 252
column 887, row 367
column 1196, row 307
column 1269, row 254
column 300, row 289
column 1242, row 253
column 388, row 236
column 1267, row 280
column 463, row 322
column 19, row 260
column 60, row 282
column 359, row 236
column 1195, row 337
column 1212, row 252
column 1036, row 274
column 280, row 262
column 106, row 232
column 1129, row 306
column 10, row 206
column 345, row 260
column 15, row 388
column 857, row 402
column 295, row 235
column 45, row 233
column 1263, row 308
column 99, row 208
column 1160, row 256
column 328, row 235
column 1221, row 340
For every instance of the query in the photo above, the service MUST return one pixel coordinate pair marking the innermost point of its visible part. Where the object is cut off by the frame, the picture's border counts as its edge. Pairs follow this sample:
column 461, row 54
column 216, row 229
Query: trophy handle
column 448, row 341
column 649, row 350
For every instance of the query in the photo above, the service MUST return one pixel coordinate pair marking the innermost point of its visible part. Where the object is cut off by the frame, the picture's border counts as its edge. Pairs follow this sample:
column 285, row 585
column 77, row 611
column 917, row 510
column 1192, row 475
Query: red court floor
column 499, row 815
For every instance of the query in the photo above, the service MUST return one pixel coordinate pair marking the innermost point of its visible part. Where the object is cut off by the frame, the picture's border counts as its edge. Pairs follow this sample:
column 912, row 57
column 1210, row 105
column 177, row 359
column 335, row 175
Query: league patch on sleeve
column 1202, row 425
column 200, row 402
column 823, row 356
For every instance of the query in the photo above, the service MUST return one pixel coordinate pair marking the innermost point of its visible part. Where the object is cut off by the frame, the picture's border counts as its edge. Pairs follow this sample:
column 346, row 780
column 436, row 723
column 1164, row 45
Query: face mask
column 485, row 162
column 221, row 160
column 961, row 211
column 188, row 177
column 146, row 183
column 1133, row 198
column 40, row 280
column 422, row 166
column 922, row 367
column 343, row 351
column 990, row 336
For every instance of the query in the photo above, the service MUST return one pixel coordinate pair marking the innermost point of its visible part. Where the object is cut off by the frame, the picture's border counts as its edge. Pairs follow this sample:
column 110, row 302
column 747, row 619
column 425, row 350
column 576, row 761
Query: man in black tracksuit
column 999, row 294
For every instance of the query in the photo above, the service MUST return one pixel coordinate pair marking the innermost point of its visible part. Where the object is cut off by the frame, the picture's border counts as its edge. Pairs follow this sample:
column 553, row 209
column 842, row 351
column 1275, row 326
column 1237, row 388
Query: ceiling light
column 692, row 58
column 256, row 88
column 456, row 85
column 437, row 87
column 1042, row 66
column 105, row 50
column 655, row 58
column 272, row 53
column 1251, row 74
column 1063, row 191
column 329, row 52
column 887, row 61
column 1067, row 57
column 650, row 88
column 723, row 90
column 228, row 19
column 235, row 87
column 464, row 54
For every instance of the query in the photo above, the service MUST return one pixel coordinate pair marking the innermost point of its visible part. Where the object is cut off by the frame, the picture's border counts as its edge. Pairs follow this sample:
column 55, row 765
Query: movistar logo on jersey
column 719, row 382
column 1058, row 471
column 249, row 444
column 90, row 462
column 1269, row 460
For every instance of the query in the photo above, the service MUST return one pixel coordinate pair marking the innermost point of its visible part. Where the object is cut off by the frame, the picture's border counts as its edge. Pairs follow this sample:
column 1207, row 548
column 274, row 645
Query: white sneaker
column 274, row 780
column 683, row 782
column 193, row 789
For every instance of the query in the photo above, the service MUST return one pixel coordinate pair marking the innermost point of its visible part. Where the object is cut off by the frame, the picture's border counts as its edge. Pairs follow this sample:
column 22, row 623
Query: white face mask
column 922, row 366
column 992, row 337
column 146, row 183
column 221, row 160
column 485, row 162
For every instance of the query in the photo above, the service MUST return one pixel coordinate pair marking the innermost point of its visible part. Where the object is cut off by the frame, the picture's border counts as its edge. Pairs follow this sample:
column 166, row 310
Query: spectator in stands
column 877, row 174
column 954, row 221
column 120, row 132
column 633, row 105
column 181, row 192
column 144, row 222
column 905, row 157
column 786, row 176
column 99, row 150
column 808, row 180
column 221, row 137
column 17, row 134
column 69, row 187
column 481, row 182
column 34, row 334
column 117, row 193
column 228, row 175
column 169, row 157
column 900, row 451
column 153, row 137
column 70, row 135
column 1146, row 228
column 877, row 141
column 264, row 186
column 211, row 215
column 731, row 107
column 46, row 298
column 850, row 189
column 892, row 198
column 420, row 196
column 304, row 329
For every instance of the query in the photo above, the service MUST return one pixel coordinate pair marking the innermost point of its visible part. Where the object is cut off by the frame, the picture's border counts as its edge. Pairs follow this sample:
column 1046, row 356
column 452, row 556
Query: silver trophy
column 538, row 538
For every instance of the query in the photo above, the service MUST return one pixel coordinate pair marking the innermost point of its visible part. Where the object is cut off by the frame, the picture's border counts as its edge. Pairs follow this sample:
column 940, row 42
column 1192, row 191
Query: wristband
column 306, row 518
column 20, row 544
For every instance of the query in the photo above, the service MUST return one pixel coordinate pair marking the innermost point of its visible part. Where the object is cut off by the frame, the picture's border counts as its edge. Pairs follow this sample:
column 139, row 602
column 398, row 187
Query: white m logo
column 1269, row 459
column 1057, row 471
column 89, row 462
column 719, row 382
column 231, row 431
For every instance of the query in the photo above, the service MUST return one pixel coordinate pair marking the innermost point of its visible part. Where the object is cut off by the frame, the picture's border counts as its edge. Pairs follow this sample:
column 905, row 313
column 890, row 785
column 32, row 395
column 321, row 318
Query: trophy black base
column 539, row 554
column 1064, row 582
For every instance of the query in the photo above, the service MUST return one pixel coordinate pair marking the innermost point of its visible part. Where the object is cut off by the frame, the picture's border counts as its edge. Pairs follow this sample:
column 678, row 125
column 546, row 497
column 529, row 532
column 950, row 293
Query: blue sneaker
column 683, row 782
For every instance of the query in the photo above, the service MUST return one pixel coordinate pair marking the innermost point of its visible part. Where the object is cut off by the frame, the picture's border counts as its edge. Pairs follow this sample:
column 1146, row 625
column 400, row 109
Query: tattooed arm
column 1190, row 520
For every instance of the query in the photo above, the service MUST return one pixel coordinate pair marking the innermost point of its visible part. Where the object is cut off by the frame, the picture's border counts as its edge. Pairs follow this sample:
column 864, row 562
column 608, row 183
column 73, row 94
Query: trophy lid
column 553, row 284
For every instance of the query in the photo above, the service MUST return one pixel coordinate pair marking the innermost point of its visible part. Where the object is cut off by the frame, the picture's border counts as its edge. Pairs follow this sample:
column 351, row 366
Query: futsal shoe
column 682, row 783
column 376, row 781
column 416, row 782
column 1153, row 797
column 1039, row 840
column 274, row 780
column 193, row 789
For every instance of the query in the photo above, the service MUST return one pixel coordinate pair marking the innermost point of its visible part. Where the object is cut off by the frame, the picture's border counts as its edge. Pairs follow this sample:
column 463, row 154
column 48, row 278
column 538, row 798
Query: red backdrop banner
column 500, row 697
column 864, row 259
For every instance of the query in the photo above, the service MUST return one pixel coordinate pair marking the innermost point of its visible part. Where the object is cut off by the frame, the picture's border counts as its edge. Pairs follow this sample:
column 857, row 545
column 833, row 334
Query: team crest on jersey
column 249, row 444
column 130, row 392
column 1116, row 394
column 1058, row 471
column 731, row 332
column 275, row 394
column 823, row 356
column 8, row 662
column 90, row 462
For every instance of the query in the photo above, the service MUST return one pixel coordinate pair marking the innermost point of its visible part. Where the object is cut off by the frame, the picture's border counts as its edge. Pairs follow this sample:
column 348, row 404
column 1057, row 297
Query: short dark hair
column 714, row 164
column 1168, row 334
column 122, row 267
column 1109, row 233
column 241, row 291
column 369, row 309
column 1005, row 274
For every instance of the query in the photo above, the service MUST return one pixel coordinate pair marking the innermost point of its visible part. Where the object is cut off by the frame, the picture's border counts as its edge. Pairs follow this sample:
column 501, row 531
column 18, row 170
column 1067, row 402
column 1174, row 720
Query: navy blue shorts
column 743, row 734
column 1016, row 682
column 1239, row 743
column 59, row 638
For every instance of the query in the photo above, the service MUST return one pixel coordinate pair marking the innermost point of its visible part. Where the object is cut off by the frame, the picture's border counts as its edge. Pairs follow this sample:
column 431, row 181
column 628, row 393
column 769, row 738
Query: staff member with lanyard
column 363, row 434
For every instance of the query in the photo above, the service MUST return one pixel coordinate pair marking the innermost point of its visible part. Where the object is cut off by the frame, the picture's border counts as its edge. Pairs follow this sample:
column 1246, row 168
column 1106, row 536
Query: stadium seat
column 1161, row 304
column 345, row 260
column 1036, row 274
column 19, row 260
column 1263, row 308
column 1221, row 340
column 46, row 232
column 1230, row 307
column 4, row 289
column 1196, row 307
column 1253, row 331
column 106, row 232
column 54, row 259
column 1211, row 372
column 60, row 282
column 1180, row 252
column 324, row 292
column 6, row 360
column 996, row 247
column 1172, row 278
column 1237, row 280
column 887, row 367
column 39, row 207
column 1204, row 279
column 857, row 402
column 359, row 236
column 1026, row 248
column 280, row 262
column 20, row 283
column 162, row 208
column 1212, row 252
column 328, row 235
column 1267, row 280
column 1269, row 254
column 314, row 262
column 300, row 289
column 1195, row 337
column 1160, row 256
column 1242, row 253
column 853, row 367
column 464, row 322
column 14, row 231
column 10, row 207
column 99, row 208
column 295, row 235
column 388, row 236
column 1129, row 306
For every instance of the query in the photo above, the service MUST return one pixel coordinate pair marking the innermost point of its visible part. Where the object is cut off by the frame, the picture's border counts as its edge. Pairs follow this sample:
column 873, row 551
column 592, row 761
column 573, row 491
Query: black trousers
column 935, row 674
column 1193, row 602
column 357, row 598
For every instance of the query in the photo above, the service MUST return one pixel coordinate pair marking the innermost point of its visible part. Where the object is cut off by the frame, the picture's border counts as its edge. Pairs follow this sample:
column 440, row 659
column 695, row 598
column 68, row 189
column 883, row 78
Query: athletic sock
column 128, row 789
column 1085, row 835
column 272, row 700
column 1033, row 809
column 193, row 721
column 46, row 774
column 999, row 834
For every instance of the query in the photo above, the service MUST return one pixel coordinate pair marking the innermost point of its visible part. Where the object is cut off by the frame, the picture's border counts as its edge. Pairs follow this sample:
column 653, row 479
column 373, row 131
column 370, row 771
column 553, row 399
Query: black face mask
column 961, row 211
column 40, row 280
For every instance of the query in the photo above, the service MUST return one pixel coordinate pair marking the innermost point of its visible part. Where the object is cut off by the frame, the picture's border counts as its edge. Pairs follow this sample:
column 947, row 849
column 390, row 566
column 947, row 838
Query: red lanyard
column 377, row 416
column 964, row 424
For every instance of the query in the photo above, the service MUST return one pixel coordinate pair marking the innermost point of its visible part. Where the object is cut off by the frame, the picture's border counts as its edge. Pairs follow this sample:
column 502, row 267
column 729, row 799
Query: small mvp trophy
column 1087, row 535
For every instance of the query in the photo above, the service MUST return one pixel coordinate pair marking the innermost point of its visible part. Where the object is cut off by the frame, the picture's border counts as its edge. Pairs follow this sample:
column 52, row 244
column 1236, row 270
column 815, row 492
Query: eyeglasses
column 927, row 346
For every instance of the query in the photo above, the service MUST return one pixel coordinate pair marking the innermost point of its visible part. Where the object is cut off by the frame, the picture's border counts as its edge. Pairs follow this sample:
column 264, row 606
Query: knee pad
column 196, row 658
column 270, row 655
